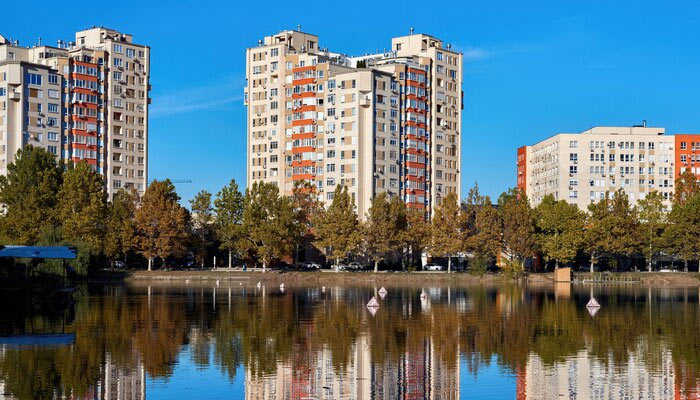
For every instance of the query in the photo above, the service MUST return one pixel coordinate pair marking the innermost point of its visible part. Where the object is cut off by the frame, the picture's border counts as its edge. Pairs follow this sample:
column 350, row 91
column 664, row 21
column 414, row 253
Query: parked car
column 118, row 264
column 339, row 267
column 311, row 265
column 432, row 267
column 355, row 266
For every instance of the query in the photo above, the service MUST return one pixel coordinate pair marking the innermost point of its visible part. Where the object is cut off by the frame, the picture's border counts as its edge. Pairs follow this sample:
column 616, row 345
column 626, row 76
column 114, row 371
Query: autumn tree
column 398, row 217
column 446, row 230
column 612, row 228
column 202, row 220
column 417, row 235
column 162, row 225
column 307, row 206
column 82, row 206
column 120, row 232
column 652, row 224
column 29, row 195
column 481, row 225
column 686, row 186
column 560, row 230
column 337, row 227
column 519, row 239
column 267, row 223
column 681, row 236
column 228, row 219
column 377, row 230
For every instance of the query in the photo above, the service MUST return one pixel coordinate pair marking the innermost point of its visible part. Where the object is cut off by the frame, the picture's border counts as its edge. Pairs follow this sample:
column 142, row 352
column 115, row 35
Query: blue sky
column 531, row 69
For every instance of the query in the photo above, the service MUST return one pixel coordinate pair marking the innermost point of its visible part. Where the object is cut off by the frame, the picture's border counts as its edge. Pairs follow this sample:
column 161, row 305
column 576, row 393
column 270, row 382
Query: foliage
column 228, row 220
column 202, row 221
column 377, row 230
column 687, row 186
column 612, row 227
column 485, row 238
column 161, row 223
column 307, row 206
column 681, row 236
column 560, row 229
column 29, row 195
column 268, row 220
column 652, row 224
column 120, row 232
column 446, row 236
column 518, row 226
column 337, row 227
column 82, row 206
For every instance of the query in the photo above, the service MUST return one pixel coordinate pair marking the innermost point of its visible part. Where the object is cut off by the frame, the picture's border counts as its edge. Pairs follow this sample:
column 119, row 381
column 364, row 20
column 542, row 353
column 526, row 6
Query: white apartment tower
column 85, row 101
column 386, row 122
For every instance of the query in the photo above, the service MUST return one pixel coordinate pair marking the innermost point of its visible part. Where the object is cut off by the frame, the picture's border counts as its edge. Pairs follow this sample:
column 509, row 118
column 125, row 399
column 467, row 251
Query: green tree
column 307, row 206
column 120, row 233
column 681, row 236
column 28, row 193
column 82, row 206
column 337, row 228
column 613, row 228
column 416, row 237
column 686, row 186
column 519, row 239
column 481, row 224
column 228, row 221
column 446, row 235
column 202, row 221
column 162, row 225
column 398, row 216
column 652, row 221
column 560, row 230
column 268, row 220
column 377, row 230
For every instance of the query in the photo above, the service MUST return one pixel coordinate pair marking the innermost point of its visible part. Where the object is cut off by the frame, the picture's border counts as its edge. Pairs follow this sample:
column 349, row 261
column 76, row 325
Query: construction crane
column 174, row 180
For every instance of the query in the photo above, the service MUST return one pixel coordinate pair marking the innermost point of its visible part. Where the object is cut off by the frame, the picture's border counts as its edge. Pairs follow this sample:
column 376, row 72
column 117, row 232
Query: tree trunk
column 229, row 259
column 376, row 266
column 591, row 263
column 556, row 265
column 264, row 266
column 150, row 263
column 685, row 265
column 449, row 264
column 649, row 265
column 337, row 264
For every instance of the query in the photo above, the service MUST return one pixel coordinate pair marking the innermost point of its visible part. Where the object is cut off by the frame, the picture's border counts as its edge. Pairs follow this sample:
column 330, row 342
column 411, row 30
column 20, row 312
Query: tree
column 28, row 193
column 228, row 220
column 560, row 230
column 446, row 230
column 162, row 224
column 416, row 237
column 613, row 228
column 518, row 227
column 686, row 186
column 202, row 220
column 398, row 217
column 82, row 206
column 486, row 238
column 120, row 232
column 307, row 206
column 267, row 223
column 681, row 236
column 652, row 220
column 337, row 227
column 378, row 230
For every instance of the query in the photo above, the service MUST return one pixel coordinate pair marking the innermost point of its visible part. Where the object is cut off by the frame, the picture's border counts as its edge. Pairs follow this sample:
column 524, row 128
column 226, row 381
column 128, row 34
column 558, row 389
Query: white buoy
column 187, row 281
column 373, row 302
column 593, row 303
column 258, row 285
column 217, row 282
column 382, row 293
column 372, row 310
column 323, row 289
column 282, row 286
column 423, row 295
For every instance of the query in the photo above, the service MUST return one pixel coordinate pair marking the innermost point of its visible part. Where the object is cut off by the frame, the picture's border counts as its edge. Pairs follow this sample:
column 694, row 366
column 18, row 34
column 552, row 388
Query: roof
column 44, row 252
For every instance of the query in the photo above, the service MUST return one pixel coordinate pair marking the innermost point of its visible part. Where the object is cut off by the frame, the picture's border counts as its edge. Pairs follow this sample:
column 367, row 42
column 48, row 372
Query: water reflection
column 236, row 340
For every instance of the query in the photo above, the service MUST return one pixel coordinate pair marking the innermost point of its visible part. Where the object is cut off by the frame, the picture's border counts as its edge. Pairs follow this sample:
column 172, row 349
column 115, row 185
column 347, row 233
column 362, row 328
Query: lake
column 236, row 341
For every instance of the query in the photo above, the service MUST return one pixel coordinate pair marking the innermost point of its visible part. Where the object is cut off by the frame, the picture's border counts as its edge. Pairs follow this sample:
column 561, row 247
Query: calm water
column 237, row 341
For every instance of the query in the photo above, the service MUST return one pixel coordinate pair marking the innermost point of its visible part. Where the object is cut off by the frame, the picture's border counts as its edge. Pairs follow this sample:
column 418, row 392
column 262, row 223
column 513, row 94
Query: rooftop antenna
column 411, row 30
column 644, row 123
column 298, row 27
column 39, row 41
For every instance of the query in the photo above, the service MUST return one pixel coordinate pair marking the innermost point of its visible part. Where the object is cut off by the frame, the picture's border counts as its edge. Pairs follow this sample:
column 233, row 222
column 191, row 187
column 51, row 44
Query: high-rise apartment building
column 85, row 100
column 581, row 167
column 385, row 122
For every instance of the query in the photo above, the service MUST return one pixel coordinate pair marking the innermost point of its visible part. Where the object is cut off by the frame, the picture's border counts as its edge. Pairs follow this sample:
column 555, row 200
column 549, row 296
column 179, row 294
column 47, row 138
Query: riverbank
column 657, row 279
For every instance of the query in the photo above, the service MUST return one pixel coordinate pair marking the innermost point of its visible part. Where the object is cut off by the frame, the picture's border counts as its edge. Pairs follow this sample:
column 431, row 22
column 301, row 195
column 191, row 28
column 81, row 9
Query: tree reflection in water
column 308, row 342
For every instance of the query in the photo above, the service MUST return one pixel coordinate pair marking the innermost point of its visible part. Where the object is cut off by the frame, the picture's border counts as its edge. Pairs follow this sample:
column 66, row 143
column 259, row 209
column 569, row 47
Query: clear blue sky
column 531, row 69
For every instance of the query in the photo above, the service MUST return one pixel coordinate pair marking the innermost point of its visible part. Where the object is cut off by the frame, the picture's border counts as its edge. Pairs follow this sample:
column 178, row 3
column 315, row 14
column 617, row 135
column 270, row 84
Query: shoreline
column 654, row 279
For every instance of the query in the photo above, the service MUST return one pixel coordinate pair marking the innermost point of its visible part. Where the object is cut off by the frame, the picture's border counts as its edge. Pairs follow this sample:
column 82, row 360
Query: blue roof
column 44, row 252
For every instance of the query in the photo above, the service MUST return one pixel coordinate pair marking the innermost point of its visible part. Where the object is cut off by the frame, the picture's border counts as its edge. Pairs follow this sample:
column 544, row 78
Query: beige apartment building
column 386, row 122
column 581, row 167
column 84, row 100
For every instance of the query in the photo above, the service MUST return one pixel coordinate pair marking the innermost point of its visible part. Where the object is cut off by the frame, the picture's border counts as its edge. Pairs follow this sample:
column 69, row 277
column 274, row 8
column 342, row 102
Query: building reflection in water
column 418, row 375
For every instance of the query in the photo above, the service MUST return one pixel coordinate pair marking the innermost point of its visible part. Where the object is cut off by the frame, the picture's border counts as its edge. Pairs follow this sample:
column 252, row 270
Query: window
column 52, row 121
column 439, row 56
column 53, row 94
column 53, row 150
column 2, row 91
column 53, row 108
column 53, row 136
column 274, row 52
column 573, row 144
column 53, row 79
column 130, row 53
column 118, row 48
column 33, row 79
column 118, row 62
